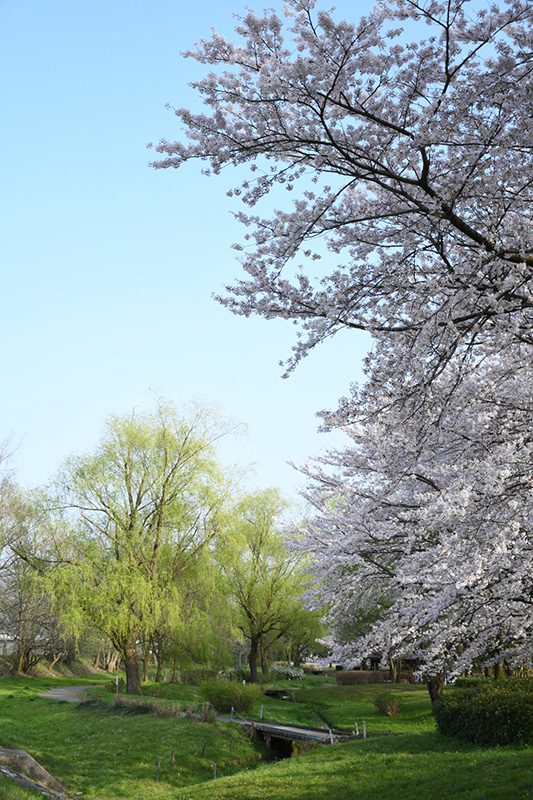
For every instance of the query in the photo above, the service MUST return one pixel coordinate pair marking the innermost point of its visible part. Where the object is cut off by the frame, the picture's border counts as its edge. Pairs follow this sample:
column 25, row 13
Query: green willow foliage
column 141, row 509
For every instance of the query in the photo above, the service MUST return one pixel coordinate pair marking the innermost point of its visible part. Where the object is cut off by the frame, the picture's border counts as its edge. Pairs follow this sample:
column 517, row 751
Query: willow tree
column 264, row 577
column 142, row 507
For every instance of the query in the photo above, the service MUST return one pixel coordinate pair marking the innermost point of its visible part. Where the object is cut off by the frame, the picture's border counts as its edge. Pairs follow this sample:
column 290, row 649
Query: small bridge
column 280, row 737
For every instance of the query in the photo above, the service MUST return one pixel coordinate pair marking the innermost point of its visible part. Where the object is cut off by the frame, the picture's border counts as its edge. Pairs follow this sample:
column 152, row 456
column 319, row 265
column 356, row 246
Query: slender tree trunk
column 131, row 665
column 146, row 659
column 175, row 671
column 114, row 663
column 499, row 671
column 252, row 659
column 159, row 670
column 435, row 685
column 54, row 660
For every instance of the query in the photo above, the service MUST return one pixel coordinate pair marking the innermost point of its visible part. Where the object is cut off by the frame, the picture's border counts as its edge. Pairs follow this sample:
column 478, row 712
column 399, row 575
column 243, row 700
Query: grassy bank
column 105, row 753
column 320, row 703
column 108, row 752
column 413, row 766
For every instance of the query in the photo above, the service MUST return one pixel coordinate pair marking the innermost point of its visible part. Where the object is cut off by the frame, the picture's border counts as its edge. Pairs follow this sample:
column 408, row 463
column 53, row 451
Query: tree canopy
column 405, row 141
column 409, row 155
column 142, row 507
column 263, row 577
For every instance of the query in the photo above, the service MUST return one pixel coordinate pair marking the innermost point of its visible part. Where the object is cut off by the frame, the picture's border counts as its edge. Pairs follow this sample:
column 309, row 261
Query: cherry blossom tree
column 409, row 156
column 433, row 533
column 404, row 141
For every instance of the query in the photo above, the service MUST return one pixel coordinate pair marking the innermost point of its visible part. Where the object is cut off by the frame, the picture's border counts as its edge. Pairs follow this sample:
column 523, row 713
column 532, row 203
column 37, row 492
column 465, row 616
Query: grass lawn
column 408, row 767
column 107, row 753
column 11, row 791
column 320, row 703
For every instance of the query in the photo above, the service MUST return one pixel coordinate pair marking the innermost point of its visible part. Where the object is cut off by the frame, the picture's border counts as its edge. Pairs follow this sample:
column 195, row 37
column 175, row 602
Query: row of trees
column 405, row 142
column 145, row 543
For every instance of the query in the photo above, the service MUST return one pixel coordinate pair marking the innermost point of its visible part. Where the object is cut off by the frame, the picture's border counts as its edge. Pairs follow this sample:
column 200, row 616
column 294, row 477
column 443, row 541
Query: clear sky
column 107, row 266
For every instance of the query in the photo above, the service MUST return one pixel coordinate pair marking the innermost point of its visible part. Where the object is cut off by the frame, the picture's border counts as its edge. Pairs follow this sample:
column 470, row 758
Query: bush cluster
column 195, row 677
column 111, row 686
column 360, row 676
column 388, row 704
column 225, row 695
column 241, row 674
column 489, row 712
column 280, row 671
column 470, row 681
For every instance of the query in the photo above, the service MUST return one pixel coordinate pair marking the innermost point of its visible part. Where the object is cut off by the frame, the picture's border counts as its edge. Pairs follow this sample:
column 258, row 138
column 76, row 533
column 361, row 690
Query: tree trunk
column 131, row 665
column 435, row 685
column 146, row 659
column 252, row 659
column 498, row 672
column 175, row 671
column 159, row 670
column 264, row 661
column 55, row 659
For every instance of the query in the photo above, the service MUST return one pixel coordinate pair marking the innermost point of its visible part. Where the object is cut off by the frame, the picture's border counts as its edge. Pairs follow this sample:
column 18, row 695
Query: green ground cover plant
column 341, row 706
column 320, row 703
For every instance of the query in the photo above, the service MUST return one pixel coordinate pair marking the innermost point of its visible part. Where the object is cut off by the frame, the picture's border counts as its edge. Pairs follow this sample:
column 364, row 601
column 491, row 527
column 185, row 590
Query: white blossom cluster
column 422, row 533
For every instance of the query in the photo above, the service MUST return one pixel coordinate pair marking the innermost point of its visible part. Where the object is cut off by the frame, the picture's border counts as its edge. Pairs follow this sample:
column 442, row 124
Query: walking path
column 69, row 694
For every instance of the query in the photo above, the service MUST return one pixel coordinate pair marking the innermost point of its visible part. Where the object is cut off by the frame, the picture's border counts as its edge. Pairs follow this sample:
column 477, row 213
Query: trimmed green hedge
column 362, row 676
column 470, row 681
column 225, row 695
column 492, row 712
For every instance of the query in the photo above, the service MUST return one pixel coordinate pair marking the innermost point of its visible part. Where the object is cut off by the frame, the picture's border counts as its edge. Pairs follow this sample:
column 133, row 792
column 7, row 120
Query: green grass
column 321, row 704
column 342, row 706
column 109, row 755
column 411, row 767
column 114, row 755
column 11, row 791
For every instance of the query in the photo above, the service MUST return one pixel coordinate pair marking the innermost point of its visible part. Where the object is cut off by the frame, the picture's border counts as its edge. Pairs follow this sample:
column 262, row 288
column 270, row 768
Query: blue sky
column 107, row 266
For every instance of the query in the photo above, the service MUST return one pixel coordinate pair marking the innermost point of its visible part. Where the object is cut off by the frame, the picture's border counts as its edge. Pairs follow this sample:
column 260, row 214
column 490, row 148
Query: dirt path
column 69, row 694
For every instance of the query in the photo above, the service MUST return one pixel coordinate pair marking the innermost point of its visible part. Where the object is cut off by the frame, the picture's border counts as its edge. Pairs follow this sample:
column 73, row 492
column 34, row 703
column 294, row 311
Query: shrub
column 153, row 691
column 388, row 704
column 225, row 695
column 208, row 713
column 198, row 676
column 241, row 674
column 490, row 712
column 470, row 681
column 360, row 676
column 165, row 711
column 281, row 671
column 111, row 686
